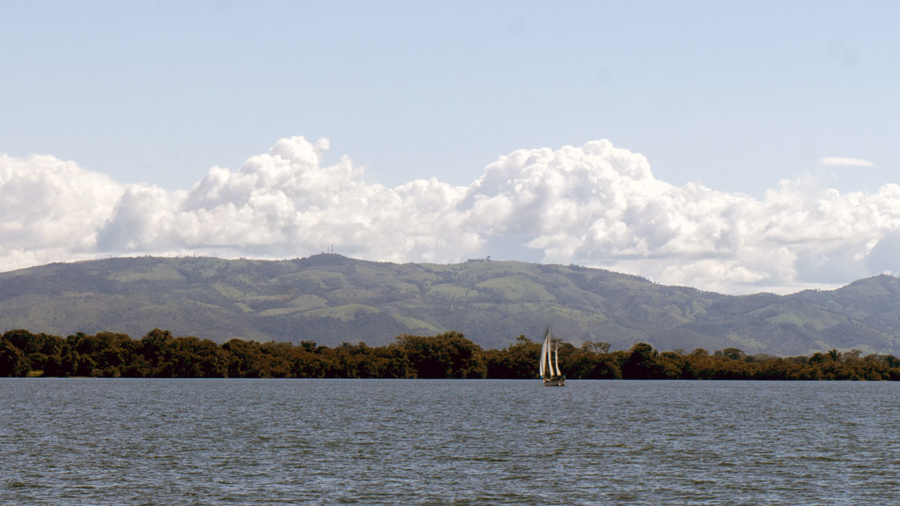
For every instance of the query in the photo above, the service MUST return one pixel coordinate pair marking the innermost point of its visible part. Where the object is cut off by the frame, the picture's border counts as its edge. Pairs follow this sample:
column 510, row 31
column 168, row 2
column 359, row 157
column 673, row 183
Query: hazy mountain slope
column 332, row 299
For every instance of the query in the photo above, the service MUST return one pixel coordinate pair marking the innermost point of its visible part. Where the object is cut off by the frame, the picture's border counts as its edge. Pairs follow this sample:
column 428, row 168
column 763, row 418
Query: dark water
column 117, row 441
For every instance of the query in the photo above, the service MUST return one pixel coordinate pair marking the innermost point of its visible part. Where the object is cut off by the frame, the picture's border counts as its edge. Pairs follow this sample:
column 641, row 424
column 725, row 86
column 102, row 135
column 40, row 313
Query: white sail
column 549, row 366
column 543, row 354
column 546, row 364
column 556, row 360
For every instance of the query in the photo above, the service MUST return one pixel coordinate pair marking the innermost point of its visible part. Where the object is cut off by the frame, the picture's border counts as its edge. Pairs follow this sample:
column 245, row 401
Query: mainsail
column 556, row 359
column 544, row 351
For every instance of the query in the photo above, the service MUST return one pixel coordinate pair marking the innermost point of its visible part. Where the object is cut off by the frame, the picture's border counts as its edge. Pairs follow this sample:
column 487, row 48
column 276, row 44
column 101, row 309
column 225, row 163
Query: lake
column 189, row 441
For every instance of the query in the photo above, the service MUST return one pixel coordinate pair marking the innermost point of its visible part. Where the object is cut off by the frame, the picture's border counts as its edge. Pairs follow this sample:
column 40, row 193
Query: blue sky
column 736, row 97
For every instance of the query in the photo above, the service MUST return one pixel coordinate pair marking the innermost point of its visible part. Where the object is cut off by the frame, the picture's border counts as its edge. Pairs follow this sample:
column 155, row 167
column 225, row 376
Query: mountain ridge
column 331, row 299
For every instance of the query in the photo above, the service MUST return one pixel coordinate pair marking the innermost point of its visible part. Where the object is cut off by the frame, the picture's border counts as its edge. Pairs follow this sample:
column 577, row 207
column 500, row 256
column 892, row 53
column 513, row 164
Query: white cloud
column 50, row 210
column 594, row 205
column 846, row 162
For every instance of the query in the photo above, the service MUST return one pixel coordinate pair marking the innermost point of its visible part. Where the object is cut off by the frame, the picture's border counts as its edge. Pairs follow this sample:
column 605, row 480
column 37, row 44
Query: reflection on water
column 121, row 441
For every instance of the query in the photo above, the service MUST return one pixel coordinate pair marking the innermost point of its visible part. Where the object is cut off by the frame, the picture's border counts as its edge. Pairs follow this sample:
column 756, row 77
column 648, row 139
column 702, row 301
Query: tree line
column 159, row 354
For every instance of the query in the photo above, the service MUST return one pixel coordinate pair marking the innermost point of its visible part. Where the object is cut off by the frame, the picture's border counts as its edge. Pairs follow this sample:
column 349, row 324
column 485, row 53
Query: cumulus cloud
column 594, row 205
column 51, row 210
column 842, row 161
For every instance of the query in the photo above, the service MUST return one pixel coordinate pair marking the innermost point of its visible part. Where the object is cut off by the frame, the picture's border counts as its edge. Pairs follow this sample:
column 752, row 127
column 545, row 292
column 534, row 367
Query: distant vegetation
column 449, row 355
column 331, row 299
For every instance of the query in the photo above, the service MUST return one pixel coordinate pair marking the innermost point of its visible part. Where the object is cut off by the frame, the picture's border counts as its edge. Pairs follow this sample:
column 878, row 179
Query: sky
column 730, row 147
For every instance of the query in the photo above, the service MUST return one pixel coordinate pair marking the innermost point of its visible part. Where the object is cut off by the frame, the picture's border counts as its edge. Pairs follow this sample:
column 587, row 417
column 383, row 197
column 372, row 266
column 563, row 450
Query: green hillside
column 332, row 299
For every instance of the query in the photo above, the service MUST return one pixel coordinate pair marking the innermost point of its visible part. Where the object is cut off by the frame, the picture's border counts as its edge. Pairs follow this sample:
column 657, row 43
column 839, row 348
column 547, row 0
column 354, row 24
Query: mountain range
column 331, row 299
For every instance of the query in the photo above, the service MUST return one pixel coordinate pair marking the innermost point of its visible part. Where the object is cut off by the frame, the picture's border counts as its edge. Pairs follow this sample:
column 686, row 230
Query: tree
column 448, row 355
column 157, row 347
column 246, row 359
column 12, row 360
column 25, row 341
column 196, row 358
column 734, row 354
column 641, row 363
column 517, row 361
column 669, row 365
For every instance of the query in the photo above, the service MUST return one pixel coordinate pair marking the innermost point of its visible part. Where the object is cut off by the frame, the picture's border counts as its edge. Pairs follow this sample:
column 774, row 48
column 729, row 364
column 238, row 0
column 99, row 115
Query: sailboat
column 550, row 363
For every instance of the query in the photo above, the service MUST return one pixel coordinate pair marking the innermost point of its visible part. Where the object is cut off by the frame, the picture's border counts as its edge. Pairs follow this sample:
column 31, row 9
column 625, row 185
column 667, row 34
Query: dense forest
column 449, row 355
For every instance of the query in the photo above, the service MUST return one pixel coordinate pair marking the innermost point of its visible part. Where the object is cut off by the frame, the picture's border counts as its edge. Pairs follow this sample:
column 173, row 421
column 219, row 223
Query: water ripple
column 135, row 442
